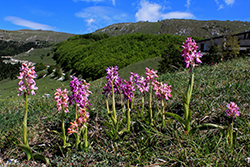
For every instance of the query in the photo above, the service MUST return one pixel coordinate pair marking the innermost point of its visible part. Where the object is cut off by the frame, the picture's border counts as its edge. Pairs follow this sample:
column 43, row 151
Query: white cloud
column 220, row 6
column 113, row 2
column 188, row 4
column 90, row 21
column 148, row 11
column 177, row 15
column 27, row 23
column 229, row 2
column 100, row 16
column 151, row 12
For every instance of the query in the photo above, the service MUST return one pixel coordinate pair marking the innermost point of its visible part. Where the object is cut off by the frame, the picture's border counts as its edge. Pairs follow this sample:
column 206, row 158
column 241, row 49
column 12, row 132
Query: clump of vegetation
column 58, row 72
column 40, row 66
column 8, row 70
column 50, row 69
column 170, row 61
column 11, row 48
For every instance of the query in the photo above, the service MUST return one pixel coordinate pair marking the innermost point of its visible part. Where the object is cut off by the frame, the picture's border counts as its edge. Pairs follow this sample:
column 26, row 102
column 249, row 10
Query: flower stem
column 85, row 137
column 128, row 117
column 25, row 134
column 107, row 104
column 122, row 104
column 63, row 127
column 186, row 101
column 231, row 136
column 150, row 105
column 76, row 116
column 162, row 112
column 113, row 105
column 142, row 108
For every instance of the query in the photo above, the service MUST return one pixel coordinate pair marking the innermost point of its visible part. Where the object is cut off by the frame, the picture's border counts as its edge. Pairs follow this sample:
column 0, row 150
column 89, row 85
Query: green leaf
column 41, row 157
column 67, row 145
column 122, row 131
column 27, row 150
column 176, row 117
column 206, row 126
column 56, row 132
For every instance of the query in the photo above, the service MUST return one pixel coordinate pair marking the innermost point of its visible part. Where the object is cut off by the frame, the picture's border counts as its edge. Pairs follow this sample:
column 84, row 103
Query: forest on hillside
column 8, row 70
column 89, row 55
column 11, row 48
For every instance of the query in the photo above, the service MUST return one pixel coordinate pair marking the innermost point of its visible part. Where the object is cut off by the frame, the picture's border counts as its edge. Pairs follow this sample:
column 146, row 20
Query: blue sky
column 86, row 16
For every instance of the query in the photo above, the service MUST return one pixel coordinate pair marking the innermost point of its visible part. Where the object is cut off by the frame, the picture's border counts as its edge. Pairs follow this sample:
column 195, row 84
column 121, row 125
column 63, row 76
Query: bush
column 50, row 69
column 58, row 72
column 171, row 59
column 40, row 67
column 214, row 55
column 42, row 56
column 67, row 76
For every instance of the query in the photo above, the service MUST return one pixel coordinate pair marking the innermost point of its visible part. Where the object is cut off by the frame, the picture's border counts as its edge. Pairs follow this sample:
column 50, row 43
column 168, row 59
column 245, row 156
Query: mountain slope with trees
column 89, row 58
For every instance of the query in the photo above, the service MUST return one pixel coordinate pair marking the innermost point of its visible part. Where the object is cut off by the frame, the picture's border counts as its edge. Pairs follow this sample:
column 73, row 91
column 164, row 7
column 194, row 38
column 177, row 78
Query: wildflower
column 27, row 83
column 134, row 77
column 233, row 110
column 62, row 99
column 143, row 85
column 113, row 77
column 151, row 74
column 162, row 90
column 128, row 89
column 80, row 92
column 73, row 127
column 84, row 115
column 190, row 53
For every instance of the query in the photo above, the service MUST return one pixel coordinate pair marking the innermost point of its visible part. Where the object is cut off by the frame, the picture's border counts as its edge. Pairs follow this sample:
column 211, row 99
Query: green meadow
column 144, row 145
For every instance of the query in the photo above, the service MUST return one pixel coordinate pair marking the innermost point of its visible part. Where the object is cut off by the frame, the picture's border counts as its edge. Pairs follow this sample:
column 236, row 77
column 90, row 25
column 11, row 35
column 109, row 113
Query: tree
column 231, row 47
column 40, row 66
column 214, row 55
column 171, row 59
column 67, row 76
column 58, row 72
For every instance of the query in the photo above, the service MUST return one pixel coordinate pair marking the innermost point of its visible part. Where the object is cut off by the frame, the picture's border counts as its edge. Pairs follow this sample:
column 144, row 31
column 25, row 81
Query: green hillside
column 43, row 55
column 89, row 58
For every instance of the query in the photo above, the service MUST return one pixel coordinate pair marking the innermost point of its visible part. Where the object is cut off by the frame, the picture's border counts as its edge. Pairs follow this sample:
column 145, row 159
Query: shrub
column 58, row 72
column 50, row 69
column 40, row 66
column 171, row 59
column 67, row 76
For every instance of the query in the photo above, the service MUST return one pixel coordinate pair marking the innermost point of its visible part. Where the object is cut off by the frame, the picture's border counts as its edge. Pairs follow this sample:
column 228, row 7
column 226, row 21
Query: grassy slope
column 9, row 87
column 46, row 85
column 139, row 67
column 214, row 87
column 35, row 56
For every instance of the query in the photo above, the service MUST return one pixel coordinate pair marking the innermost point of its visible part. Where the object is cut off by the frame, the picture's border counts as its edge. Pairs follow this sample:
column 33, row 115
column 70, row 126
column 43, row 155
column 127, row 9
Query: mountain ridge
column 184, row 27
column 28, row 35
